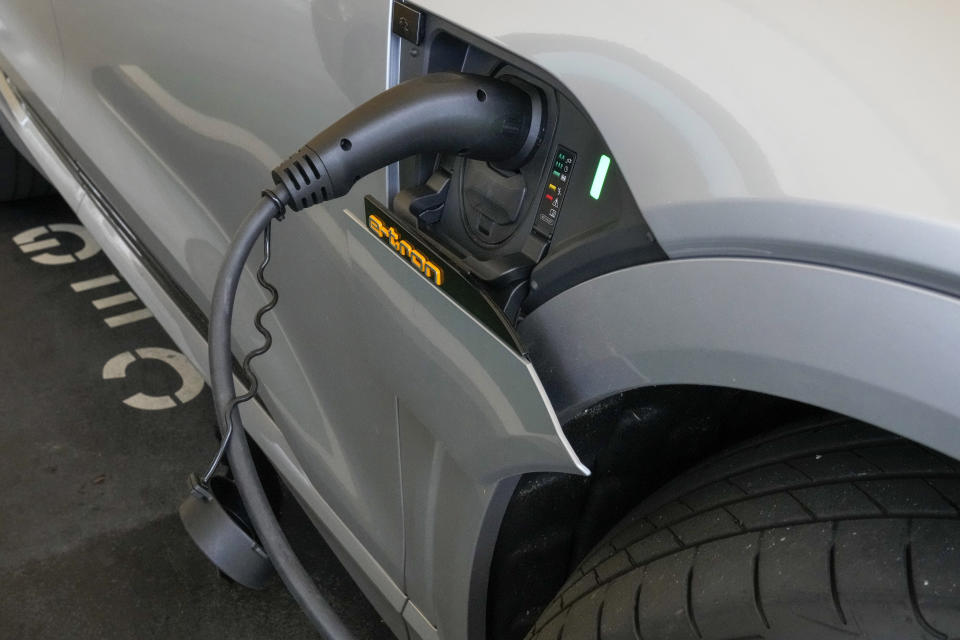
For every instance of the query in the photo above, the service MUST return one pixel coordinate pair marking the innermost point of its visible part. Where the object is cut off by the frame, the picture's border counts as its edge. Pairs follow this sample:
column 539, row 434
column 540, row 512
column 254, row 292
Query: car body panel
column 453, row 475
column 823, row 132
column 785, row 131
column 31, row 47
column 163, row 157
column 163, row 138
column 93, row 213
column 867, row 347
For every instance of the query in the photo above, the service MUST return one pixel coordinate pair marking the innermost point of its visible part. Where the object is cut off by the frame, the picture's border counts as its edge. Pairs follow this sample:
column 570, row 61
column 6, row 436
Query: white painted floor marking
column 191, row 381
column 30, row 235
column 50, row 243
column 127, row 318
column 146, row 402
column 53, row 258
column 93, row 283
column 112, row 301
column 116, row 366
column 90, row 247
column 28, row 243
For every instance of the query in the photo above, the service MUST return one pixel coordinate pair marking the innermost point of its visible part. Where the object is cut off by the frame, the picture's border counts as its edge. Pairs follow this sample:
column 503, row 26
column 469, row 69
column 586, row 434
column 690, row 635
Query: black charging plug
column 475, row 116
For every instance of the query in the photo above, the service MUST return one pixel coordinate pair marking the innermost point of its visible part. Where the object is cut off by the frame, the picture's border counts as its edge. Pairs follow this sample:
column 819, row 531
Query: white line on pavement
column 127, row 318
column 112, row 301
column 93, row 283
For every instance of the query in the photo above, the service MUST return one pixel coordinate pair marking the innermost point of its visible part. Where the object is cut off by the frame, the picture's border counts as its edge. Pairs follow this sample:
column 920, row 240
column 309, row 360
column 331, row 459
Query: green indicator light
column 556, row 173
column 599, row 177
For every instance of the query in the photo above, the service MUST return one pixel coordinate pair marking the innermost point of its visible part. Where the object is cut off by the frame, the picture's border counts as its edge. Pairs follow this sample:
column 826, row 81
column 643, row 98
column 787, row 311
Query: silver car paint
column 379, row 587
column 29, row 42
column 493, row 396
column 877, row 350
column 817, row 131
column 491, row 404
column 162, row 137
column 742, row 128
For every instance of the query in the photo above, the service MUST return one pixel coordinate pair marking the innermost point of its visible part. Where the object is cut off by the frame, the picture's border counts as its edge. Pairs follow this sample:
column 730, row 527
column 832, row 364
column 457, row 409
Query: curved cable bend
column 247, row 361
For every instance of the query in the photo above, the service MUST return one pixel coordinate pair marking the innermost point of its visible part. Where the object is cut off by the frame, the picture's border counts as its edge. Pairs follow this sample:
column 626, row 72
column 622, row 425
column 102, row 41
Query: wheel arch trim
column 874, row 349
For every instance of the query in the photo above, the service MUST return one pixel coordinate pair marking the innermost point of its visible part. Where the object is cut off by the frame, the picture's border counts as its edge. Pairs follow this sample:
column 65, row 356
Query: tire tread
column 799, row 500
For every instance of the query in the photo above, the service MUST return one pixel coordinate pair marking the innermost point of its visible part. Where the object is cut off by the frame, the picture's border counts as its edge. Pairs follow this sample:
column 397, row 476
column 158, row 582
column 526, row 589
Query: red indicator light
column 549, row 197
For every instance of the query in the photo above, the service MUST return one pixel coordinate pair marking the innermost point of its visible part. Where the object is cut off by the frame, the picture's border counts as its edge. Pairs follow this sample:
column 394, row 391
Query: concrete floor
column 90, row 542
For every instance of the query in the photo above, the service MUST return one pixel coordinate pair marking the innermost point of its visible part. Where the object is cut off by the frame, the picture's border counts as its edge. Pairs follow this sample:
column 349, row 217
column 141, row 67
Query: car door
column 28, row 39
column 180, row 109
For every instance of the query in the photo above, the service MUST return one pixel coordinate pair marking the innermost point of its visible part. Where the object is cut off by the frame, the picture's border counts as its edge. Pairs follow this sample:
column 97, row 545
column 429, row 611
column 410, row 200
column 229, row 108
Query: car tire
column 18, row 178
column 830, row 530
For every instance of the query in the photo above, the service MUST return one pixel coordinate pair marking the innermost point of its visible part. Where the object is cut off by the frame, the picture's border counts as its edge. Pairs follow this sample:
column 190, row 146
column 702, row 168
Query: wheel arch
column 687, row 340
column 633, row 442
column 871, row 348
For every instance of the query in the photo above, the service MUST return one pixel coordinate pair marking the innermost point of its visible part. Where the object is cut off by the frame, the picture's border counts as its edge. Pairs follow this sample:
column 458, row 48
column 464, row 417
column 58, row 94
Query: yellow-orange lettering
column 376, row 225
column 405, row 249
column 433, row 271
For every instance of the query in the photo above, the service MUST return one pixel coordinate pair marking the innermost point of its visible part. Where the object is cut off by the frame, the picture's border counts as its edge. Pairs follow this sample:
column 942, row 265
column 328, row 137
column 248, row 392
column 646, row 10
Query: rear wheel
column 18, row 179
column 830, row 530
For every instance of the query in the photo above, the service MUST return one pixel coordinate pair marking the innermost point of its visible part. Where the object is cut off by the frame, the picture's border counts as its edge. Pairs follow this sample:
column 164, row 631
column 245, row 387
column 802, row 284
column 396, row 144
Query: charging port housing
column 523, row 234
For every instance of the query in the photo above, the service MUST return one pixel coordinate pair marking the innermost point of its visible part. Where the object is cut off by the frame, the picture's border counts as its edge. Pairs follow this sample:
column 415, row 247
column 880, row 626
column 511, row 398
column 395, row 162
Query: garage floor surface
column 90, row 542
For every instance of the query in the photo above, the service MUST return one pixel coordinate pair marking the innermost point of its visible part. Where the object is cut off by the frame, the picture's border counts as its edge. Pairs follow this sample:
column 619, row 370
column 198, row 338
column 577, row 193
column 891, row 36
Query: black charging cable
column 479, row 117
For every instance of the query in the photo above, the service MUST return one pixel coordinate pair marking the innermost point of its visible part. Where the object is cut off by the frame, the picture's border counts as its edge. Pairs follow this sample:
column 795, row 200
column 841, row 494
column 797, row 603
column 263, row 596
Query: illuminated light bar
column 599, row 177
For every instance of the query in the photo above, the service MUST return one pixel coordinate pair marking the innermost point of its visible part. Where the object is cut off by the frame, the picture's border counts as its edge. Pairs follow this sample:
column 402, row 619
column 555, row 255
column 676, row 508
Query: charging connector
column 475, row 116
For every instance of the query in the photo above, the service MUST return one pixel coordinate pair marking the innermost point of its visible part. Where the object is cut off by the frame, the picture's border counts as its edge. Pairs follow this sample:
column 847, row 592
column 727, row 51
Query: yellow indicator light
column 553, row 187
